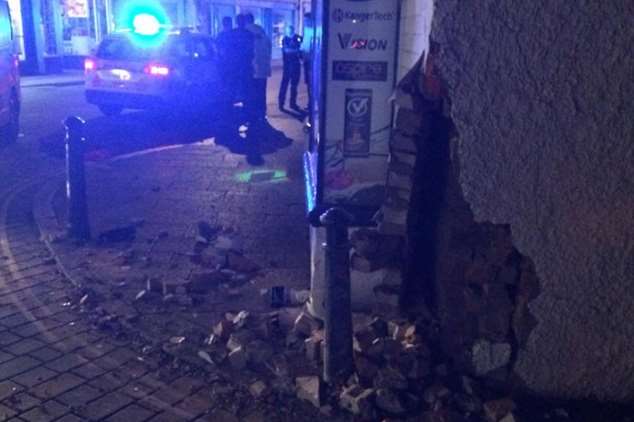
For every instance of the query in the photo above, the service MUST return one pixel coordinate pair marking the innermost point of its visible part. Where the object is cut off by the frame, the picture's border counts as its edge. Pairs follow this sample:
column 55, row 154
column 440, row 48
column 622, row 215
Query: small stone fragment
column 223, row 329
column 306, row 324
column 140, row 295
column 238, row 358
column 313, row 348
column 308, row 388
column 258, row 389
column 240, row 319
column 205, row 356
column 357, row 401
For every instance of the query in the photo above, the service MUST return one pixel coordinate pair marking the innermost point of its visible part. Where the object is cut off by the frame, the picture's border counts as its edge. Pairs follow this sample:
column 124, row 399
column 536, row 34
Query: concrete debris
column 358, row 401
column 241, row 319
column 314, row 345
column 487, row 356
column 223, row 329
column 201, row 240
column 238, row 358
column 305, row 324
column 308, row 388
column 298, row 297
column 227, row 243
column 139, row 296
column 258, row 389
column 205, row 356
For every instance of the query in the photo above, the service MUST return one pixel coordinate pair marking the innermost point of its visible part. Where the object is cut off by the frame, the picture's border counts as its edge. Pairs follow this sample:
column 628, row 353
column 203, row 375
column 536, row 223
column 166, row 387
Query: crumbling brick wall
column 541, row 96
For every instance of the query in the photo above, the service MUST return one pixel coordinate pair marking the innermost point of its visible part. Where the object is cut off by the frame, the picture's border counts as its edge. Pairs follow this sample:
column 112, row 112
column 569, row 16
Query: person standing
column 262, row 56
column 291, row 52
column 240, row 59
column 226, row 66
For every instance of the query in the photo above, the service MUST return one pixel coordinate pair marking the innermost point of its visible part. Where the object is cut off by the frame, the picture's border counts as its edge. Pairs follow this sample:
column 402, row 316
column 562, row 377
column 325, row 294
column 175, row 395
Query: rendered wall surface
column 542, row 99
column 415, row 25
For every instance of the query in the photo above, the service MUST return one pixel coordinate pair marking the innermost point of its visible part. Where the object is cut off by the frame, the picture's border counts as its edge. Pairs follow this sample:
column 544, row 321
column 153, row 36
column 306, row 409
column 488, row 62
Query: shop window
column 16, row 20
column 6, row 34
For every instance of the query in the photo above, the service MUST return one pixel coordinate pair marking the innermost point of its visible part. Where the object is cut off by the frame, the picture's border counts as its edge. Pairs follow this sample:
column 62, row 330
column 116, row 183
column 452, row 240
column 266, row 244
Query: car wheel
column 9, row 133
column 110, row 110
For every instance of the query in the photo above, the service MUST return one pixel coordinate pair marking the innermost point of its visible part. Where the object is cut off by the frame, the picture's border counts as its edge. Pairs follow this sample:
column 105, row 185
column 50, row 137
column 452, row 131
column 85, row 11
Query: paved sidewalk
column 65, row 355
column 67, row 78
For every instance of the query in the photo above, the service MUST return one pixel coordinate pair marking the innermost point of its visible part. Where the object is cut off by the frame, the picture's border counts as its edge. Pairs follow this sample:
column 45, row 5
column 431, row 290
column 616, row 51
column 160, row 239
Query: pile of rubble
column 398, row 375
column 276, row 356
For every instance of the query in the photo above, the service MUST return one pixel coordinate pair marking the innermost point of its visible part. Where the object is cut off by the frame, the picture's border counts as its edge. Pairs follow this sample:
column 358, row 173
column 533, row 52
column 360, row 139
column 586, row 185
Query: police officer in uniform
column 291, row 48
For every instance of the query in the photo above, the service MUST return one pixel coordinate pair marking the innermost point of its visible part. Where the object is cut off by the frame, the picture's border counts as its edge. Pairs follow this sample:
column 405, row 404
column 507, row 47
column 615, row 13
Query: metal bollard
column 338, row 350
column 78, row 226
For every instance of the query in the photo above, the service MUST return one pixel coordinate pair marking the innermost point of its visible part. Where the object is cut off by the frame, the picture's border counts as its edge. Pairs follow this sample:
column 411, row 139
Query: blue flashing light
column 146, row 20
column 146, row 24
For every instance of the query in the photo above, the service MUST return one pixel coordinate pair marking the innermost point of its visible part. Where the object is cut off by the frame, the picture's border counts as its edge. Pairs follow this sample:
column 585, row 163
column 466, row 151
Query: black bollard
column 78, row 227
column 338, row 350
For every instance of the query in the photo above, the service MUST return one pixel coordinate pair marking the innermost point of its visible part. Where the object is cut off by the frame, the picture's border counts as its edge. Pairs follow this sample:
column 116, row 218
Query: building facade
column 54, row 34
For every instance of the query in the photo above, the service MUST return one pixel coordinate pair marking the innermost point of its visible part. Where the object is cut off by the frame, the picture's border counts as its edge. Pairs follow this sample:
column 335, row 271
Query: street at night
column 316, row 210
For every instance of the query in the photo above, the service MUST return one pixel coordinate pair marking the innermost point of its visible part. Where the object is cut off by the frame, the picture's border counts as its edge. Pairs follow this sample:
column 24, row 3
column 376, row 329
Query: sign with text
column 361, row 61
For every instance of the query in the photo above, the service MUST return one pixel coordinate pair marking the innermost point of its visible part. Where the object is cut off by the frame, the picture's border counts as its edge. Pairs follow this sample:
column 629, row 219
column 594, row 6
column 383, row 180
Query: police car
column 149, row 67
column 9, row 79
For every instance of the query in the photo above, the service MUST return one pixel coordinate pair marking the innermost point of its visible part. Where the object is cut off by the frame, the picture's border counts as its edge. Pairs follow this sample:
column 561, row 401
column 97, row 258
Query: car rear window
column 121, row 48
column 174, row 47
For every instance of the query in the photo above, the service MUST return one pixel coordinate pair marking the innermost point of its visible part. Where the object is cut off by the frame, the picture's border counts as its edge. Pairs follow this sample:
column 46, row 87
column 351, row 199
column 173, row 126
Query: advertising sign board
column 360, row 61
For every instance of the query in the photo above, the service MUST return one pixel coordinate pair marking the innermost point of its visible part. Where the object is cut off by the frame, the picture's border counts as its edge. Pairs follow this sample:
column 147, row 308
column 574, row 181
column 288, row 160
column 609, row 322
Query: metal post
column 78, row 226
column 338, row 350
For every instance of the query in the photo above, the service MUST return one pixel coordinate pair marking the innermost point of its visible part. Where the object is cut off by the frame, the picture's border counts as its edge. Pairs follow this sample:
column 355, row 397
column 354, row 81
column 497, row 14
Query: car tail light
column 155, row 69
column 89, row 65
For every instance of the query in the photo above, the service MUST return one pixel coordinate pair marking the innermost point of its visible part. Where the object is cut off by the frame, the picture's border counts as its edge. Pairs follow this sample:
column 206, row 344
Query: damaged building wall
column 541, row 100
column 415, row 26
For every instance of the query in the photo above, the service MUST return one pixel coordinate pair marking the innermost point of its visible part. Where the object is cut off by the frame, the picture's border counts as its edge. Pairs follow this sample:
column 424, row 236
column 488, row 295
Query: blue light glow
column 146, row 24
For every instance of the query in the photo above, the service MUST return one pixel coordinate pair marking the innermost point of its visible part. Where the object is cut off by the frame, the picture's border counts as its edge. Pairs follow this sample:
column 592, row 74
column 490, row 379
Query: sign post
column 354, row 73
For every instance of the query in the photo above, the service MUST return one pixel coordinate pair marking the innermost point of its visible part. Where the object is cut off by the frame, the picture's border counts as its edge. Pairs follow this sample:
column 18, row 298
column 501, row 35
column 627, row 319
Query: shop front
column 55, row 34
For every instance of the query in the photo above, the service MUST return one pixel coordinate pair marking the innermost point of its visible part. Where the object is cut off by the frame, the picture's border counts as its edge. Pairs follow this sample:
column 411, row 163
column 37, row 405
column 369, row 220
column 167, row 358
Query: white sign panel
column 362, row 43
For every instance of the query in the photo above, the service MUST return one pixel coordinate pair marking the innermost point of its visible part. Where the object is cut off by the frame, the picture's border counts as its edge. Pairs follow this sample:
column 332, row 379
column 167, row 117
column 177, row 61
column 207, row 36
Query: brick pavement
column 46, row 376
column 54, row 364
